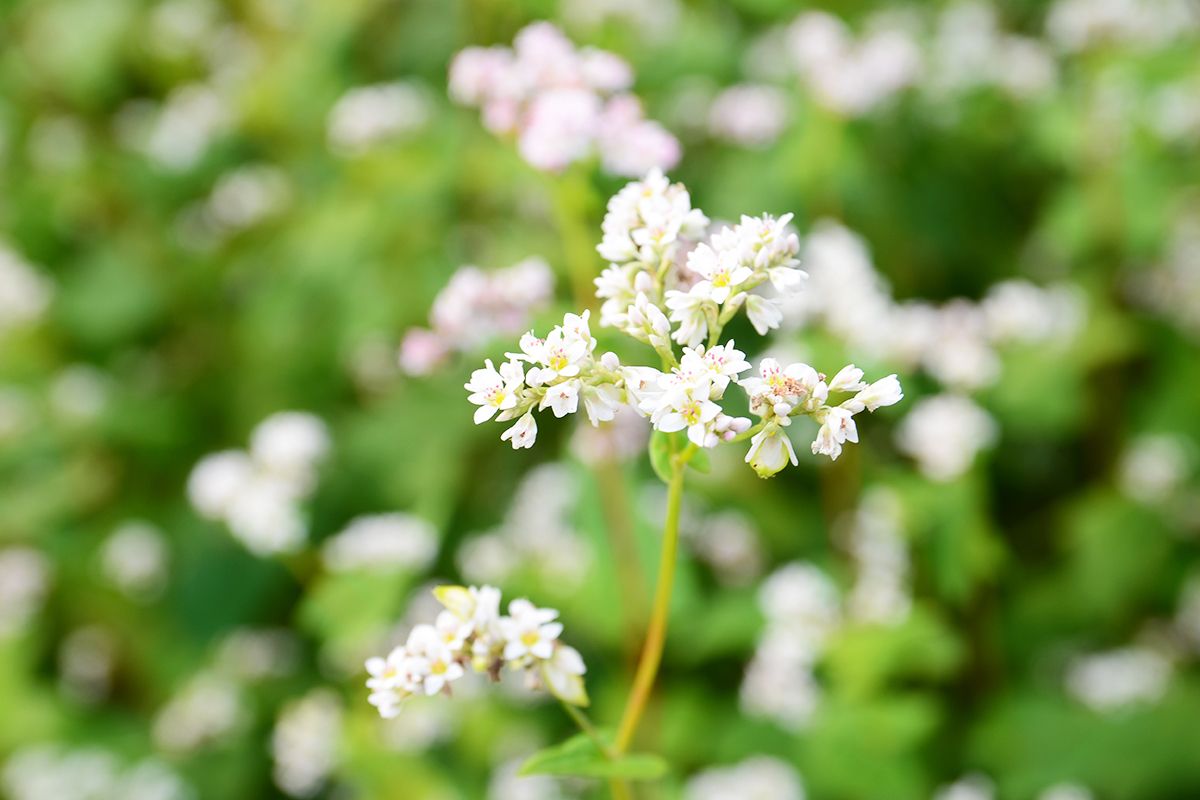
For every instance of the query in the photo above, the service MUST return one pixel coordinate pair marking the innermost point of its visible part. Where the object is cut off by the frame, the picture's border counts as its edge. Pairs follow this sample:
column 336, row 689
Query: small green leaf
column 700, row 462
column 660, row 455
column 580, row 756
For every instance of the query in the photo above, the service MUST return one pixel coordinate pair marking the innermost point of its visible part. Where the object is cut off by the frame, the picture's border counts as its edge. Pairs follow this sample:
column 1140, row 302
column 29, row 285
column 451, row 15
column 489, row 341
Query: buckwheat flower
column 944, row 433
column 494, row 391
column 432, row 664
column 388, row 682
column 24, row 293
column 134, row 558
column 1154, row 466
column 1066, row 791
column 290, row 443
column 563, row 673
column 969, row 787
column 367, row 116
column 562, row 398
column 750, row 115
column 770, row 451
column 763, row 313
column 647, row 220
column 382, row 543
column 24, row 581
column 721, row 272
column 631, row 145
column 215, row 481
column 837, row 428
column 883, row 392
column 523, row 432
column 529, row 631
column 1118, row 678
column 690, row 311
column 304, row 743
column 719, row 364
column 756, row 778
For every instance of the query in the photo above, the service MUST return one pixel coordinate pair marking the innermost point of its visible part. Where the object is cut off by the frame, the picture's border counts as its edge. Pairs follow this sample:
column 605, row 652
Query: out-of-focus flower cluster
column 258, row 493
column 562, row 104
column 474, row 308
column 43, row 771
column 471, row 632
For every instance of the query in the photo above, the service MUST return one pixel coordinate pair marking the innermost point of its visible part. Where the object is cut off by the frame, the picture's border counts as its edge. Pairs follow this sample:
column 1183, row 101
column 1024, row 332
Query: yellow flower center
column 529, row 638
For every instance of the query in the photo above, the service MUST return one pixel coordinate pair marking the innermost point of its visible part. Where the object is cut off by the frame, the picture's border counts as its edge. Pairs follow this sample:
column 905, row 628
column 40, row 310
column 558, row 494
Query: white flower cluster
column 749, row 114
column 536, row 535
column 848, row 75
column 382, row 543
column 563, row 372
column 176, row 133
column 944, row 433
column 24, row 581
column 973, row 786
column 647, row 227
column 756, row 778
column 802, row 610
column 258, row 493
column 1114, row 679
column 969, row 49
column 1081, row 24
column 474, row 308
column 367, row 116
column 1154, row 466
column 470, row 631
column 24, row 292
column 1172, row 288
column 562, row 104
column 209, row 707
column 779, row 393
column 304, row 743
column 86, row 663
column 134, row 559
column 43, row 771
column 875, row 540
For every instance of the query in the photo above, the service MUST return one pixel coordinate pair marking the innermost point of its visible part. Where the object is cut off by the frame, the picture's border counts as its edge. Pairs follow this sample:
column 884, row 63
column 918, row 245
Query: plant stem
column 572, row 200
column 618, row 787
column 656, row 632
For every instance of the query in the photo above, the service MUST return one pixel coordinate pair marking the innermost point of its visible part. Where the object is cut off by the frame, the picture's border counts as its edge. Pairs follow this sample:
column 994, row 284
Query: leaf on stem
column 581, row 756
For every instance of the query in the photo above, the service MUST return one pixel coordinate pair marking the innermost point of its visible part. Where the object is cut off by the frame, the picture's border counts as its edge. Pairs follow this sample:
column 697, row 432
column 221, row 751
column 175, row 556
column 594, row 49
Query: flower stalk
column 656, row 632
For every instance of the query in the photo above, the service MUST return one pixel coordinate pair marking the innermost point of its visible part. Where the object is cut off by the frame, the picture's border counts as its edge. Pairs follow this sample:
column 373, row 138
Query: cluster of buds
column 562, row 371
column 563, row 104
column 649, row 228
column 471, row 632
column 780, row 393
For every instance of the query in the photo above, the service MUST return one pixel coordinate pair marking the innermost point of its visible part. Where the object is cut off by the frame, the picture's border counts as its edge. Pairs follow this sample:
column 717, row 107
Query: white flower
column 382, row 542
column 1110, row 680
column 523, row 433
column 494, row 391
column 304, row 742
column 848, row 379
column 770, row 451
column 718, row 364
column 290, row 443
column 883, row 392
column 944, row 433
column 529, row 631
column 562, row 398
column 756, row 778
column 216, row 480
column 389, row 682
column 601, row 402
column 433, row 665
column 563, row 673
column 721, row 271
column 688, row 407
column 691, row 311
column 764, row 314
column 837, row 428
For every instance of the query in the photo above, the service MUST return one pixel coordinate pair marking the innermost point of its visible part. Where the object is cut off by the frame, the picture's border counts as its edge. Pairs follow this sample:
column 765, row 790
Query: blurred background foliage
column 171, row 325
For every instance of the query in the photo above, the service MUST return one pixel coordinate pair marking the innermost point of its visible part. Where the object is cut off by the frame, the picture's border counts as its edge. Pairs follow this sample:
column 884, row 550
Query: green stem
column 656, row 632
column 746, row 434
column 618, row 787
column 572, row 200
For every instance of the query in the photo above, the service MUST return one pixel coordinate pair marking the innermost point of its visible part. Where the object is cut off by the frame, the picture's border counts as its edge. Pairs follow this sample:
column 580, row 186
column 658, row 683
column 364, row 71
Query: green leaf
column 700, row 462
column 580, row 756
column 660, row 455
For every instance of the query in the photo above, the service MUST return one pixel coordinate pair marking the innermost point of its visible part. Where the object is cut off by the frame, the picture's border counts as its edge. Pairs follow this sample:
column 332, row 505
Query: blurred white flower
column 255, row 654
column 563, row 104
column 24, row 292
column 1110, row 680
column 944, row 433
column 508, row 784
column 24, row 582
column 1154, row 466
column 751, row 115
column 367, row 116
column 1066, row 791
column 258, row 494
column 86, row 660
column 207, row 709
column 305, row 741
column 382, row 542
column 42, row 771
column 134, row 558
column 1080, row 24
column 755, row 778
column 974, row 786
column 874, row 538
